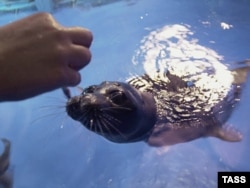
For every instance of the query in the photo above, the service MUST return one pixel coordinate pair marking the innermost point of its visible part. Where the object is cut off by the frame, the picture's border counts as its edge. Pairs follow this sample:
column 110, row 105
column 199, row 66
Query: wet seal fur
column 163, row 110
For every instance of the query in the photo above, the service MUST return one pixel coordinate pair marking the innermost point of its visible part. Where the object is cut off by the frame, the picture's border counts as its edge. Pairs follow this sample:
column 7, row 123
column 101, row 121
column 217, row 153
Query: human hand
column 39, row 55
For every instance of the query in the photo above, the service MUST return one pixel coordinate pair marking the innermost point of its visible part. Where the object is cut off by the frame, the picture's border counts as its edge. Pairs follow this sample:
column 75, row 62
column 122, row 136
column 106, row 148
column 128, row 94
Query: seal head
column 115, row 110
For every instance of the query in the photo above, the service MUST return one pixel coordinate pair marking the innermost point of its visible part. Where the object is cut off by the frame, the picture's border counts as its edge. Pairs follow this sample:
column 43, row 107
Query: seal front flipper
column 226, row 132
column 167, row 134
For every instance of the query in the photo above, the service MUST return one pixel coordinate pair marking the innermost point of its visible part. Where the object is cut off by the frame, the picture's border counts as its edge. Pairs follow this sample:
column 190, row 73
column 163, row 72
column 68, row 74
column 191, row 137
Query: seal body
column 165, row 107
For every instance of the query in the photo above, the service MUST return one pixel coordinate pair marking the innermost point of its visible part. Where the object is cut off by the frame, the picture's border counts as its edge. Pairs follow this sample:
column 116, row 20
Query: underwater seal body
column 162, row 110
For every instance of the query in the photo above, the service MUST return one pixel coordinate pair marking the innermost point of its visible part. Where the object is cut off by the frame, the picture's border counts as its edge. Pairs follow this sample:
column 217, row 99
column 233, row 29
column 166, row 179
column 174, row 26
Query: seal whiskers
column 110, row 123
column 112, row 109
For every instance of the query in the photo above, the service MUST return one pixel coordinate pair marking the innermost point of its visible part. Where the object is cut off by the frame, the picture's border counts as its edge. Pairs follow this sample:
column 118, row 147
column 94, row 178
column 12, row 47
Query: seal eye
column 117, row 97
column 89, row 89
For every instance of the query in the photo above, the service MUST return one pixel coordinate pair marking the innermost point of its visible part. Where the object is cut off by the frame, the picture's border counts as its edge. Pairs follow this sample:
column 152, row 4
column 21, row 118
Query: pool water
column 49, row 150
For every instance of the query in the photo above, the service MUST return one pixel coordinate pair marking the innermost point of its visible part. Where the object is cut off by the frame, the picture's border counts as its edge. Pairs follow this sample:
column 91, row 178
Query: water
column 49, row 150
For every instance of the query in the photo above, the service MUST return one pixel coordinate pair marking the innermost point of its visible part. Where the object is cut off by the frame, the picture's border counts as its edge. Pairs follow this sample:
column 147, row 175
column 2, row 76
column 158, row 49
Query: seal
column 115, row 110
column 163, row 109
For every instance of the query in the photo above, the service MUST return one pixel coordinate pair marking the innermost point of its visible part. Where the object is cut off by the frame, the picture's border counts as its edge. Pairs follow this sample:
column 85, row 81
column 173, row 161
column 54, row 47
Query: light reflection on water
column 54, row 151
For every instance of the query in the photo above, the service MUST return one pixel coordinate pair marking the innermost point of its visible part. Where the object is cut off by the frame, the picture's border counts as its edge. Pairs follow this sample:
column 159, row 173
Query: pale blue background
column 49, row 150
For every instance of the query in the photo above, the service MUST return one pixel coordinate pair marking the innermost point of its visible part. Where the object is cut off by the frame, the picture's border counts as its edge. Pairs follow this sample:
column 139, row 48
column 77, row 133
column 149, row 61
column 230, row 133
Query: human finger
column 73, row 78
column 79, row 57
column 80, row 36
